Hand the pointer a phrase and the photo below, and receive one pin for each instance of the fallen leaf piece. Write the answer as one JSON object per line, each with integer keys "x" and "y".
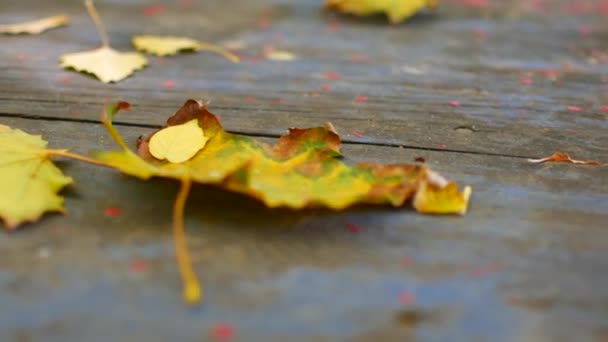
{"x": 298, "y": 171}
{"x": 178, "y": 143}
{"x": 106, "y": 63}
{"x": 395, "y": 10}
{"x": 171, "y": 45}
{"x": 35, "y": 26}
{"x": 280, "y": 56}
{"x": 561, "y": 157}
{"x": 28, "y": 179}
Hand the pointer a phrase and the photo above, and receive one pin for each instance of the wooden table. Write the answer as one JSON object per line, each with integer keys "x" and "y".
{"x": 528, "y": 263}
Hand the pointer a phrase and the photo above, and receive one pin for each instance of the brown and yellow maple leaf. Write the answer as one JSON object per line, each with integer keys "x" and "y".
{"x": 301, "y": 170}
{"x": 35, "y": 26}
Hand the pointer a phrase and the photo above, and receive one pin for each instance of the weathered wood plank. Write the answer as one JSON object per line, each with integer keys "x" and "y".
{"x": 410, "y": 74}
{"x": 533, "y": 245}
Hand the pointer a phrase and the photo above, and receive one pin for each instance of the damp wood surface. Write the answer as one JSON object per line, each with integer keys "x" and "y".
{"x": 474, "y": 90}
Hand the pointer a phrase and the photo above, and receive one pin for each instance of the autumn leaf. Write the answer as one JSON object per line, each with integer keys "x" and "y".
{"x": 171, "y": 45}
{"x": 28, "y": 179}
{"x": 178, "y": 143}
{"x": 561, "y": 157}
{"x": 35, "y": 26}
{"x": 107, "y": 64}
{"x": 301, "y": 170}
{"x": 396, "y": 11}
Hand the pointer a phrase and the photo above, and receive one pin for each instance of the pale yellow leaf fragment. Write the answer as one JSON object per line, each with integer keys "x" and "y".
{"x": 35, "y": 26}
{"x": 164, "y": 45}
{"x": 28, "y": 179}
{"x": 178, "y": 143}
{"x": 436, "y": 195}
{"x": 106, "y": 63}
{"x": 280, "y": 56}
{"x": 171, "y": 45}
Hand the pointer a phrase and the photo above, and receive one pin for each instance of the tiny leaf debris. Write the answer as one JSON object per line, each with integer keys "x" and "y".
{"x": 28, "y": 178}
{"x": 301, "y": 170}
{"x": 396, "y": 11}
{"x": 107, "y": 64}
{"x": 35, "y": 26}
{"x": 561, "y": 157}
{"x": 171, "y": 45}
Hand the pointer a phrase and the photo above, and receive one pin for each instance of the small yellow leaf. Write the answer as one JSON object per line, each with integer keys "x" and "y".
{"x": 178, "y": 143}
{"x": 35, "y": 26}
{"x": 396, "y": 10}
{"x": 28, "y": 179}
{"x": 164, "y": 45}
{"x": 171, "y": 45}
{"x": 106, "y": 63}
{"x": 434, "y": 199}
{"x": 281, "y": 56}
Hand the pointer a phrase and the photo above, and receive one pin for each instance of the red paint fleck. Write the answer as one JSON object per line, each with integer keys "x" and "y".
{"x": 75, "y": 111}
{"x": 406, "y": 297}
{"x": 330, "y": 75}
{"x": 550, "y": 74}
{"x": 268, "y": 48}
{"x": 526, "y": 81}
{"x": 575, "y": 109}
{"x": 357, "y": 58}
{"x": 475, "y": 3}
{"x": 137, "y": 266}
{"x": 314, "y": 92}
{"x": 251, "y": 99}
{"x": 276, "y": 102}
{"x": 66, "y": 79}
{"x": 159, "y": 60}
{"x": 420, "y": 159}
{"x": 168, "y": 84}
{"x": 480, "y": 33}
{"x": 279, "y": 38}
{"x": 454, "y": 103}
{"x": 604, "y": 109}
{"x": 441, "y": 146}
{"x": 255, "y": 60}
{"x": 584, "y": 30}
{"x": 222, "y": 332}
{"x": 332, "y": 26}
{"x": 263, "y": 23}
{"x": 406, "y": 261}
{"x": 483, "y": 270}
{"x": 112, "y": 212}
{"x": 571, "y": 132}
{"x": 325, "y": 87}
{"x": 352, "y": 228}
{"x": 356, "y": 134}
{"x": 361, "y": 98}
{"x": 21, "y": 56}
{"x": 153, "y": 10}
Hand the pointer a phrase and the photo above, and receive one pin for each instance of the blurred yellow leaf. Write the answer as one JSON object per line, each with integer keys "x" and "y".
{"x": 28, "y": 179}
{"x": 171, "y": 45}
{"x": 35, "y": 26}
{"x": 396, "y": 10}
{"x": 106, "y": 63}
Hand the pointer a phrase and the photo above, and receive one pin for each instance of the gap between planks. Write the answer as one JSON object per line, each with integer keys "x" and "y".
{"x": 266, "y": 135}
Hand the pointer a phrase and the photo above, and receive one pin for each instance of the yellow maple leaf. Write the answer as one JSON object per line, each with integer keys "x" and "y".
{"x": 178, "y": 143}
{"x": 396, "y": 10}
{"x": 171, "y": 45}
{"x": 35, "y": 26}
{"x": 107, "y": 64}
{"x": 28, "y": 179}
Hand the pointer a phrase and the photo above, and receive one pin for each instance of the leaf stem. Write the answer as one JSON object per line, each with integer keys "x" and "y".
{"x": 66, "y": 154}
{"x": 191, "y": 288}
{"x": 219, "y": 50}
{"x": 101, "y": 29}
{"x": 107, "y": 123}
